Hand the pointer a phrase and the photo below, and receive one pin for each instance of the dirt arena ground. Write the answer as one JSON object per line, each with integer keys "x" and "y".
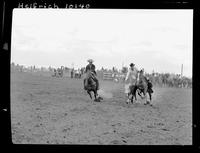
{"x": 46, "y": 110}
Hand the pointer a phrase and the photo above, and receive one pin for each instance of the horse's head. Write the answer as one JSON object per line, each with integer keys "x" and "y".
{"x": 91, "y": 74}
{"x": 90, "y": 78}
{"x": 91, "y": 81}
{"x": 141, "y": 72}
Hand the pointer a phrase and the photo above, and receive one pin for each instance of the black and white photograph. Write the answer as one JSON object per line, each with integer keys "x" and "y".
{"x": 101, "y": 76}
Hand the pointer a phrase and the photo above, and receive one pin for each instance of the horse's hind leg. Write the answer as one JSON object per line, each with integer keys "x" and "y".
{"x": 140, "y": 91}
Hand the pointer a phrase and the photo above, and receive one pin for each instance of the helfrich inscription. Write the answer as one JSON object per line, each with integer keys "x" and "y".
{"x": 54, "y": 5}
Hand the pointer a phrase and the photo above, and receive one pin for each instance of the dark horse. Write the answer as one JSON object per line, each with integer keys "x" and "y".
{"x": 91, "y": 86}
{"x": 143, "y": 87}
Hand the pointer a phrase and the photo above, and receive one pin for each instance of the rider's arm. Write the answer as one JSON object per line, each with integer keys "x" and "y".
{"x": 86, "y": 69}
{"x": 127, "y": 75}
{"x": 138, "y": 74}
{"x": 94, "y": 69}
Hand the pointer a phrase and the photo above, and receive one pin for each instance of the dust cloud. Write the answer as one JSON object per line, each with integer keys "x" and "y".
{"x": 105, "y": 94}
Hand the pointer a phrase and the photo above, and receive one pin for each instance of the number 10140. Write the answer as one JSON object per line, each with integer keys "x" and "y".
{"x": 77, "y": 5}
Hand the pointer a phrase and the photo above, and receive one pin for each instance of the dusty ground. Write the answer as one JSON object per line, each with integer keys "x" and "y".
{"x": 46, "y": 110}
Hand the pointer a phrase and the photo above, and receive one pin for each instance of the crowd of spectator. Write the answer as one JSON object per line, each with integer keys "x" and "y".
{"x": 158, "y": 79}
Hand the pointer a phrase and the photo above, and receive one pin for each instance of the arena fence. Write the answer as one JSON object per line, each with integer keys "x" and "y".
{"x": 107, "y": 76}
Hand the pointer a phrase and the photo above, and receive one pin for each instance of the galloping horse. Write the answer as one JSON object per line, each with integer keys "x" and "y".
{"x": 91, "y": 86}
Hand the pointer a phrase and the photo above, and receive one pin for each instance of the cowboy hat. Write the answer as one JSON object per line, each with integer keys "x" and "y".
{"x": 132, "y": 64}
{"x": 142, "y": 70}
{"x": 90, "y": 60}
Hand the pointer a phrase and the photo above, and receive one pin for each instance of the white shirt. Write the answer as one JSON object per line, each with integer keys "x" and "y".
{"x": 132, "y": 75}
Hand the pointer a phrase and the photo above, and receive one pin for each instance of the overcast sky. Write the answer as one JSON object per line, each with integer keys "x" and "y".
{"x": 159, "y": 40}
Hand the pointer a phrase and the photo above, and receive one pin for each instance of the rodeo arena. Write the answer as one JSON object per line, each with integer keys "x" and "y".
{"x": 58, "y": 110}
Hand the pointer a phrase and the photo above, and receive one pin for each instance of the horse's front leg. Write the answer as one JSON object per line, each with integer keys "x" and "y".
{"x": 95, "y": 95}
{"x": 139, "y": 91}
{"x": 134, "y": 92}
{"x": 89, "y": 94}
{"x": 128, "y": 98}
{"x": 150, "y": 97}
{"x": 145, "y": 96}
